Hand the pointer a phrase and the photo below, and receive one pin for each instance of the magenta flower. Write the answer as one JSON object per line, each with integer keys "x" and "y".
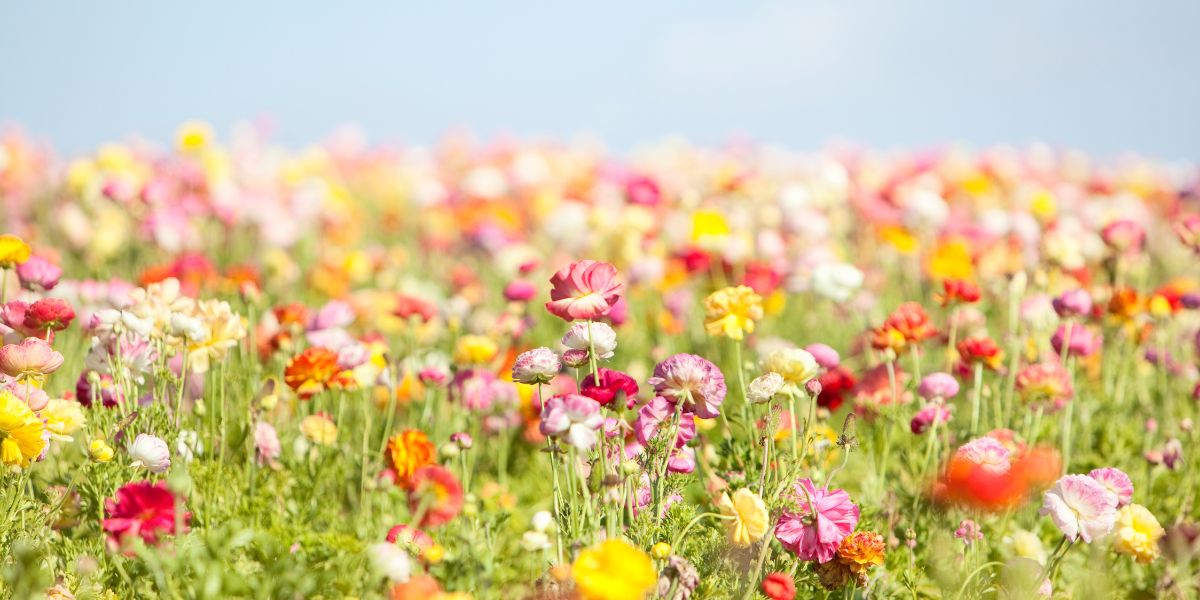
{"x": 1073, "y": 303}
{"x": 692, "y": 380}
{"x": 826, "y": 356}
{"x": 519, "y": 290}
{"x": 1080, "y": 507}
{"x": 611, "y": 383}
{"x": 575, "y": 417}
{"x": 823, "y": 520}
{"x": 930, "y": 414}
{"x": 1116, "y": 481}
{"x": 586, "y": 289}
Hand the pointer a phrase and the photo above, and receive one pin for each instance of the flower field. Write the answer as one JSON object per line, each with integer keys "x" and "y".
{"x": 521, "y": 369}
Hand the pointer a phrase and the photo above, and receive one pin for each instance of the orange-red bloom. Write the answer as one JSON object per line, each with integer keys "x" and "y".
{"x": 312, "y": 371}
{"x": 981, "y": 349}
{"x": 407, "y": 452}
{"x": 958, "y": 291}
{"x": 909, "y": 324}
{"x": 435, "y": 496}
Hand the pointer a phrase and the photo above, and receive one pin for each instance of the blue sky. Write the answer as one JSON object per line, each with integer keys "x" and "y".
{"x": 1102, "y": 76}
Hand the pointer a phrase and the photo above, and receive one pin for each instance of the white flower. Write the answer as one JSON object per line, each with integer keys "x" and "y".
{"x": 188, "y": 445}
{"x": 534, "y": 541}
{"x": 764, "y": 387}
{"x": 543, "y": 520}
{"x": 836, "y": 281}
{"x": 389, "y": 560}
{"x": 150, "y": 452}
{"x": 1080, "y": 507}
{"x": 188, "y": 327}
{"x": 603, "y": 336}
{"x": 539, "y": 365}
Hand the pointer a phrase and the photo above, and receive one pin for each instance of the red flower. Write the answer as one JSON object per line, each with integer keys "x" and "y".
{"x": 835, "y": 383}
{"x": 779, "y": 586}
{"x": 48, "y": 314}
{"x": 611, "y": 382}
{"x": 958, "y": 290}
{"x": 907, "y": 325}
{"x": 435, "y": 496}
{"x": 981, "y": 349}
{"x": 762, "y": 278}
{"x": 142, "y": 509}
{"x": 408, "y": 307}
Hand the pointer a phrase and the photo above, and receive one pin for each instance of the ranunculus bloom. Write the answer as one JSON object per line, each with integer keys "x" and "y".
{"x": 825, "y": 355}
{"x": 1123, "y": 235}
{"x": 142, "y": 509}
{"x": 312, "y": 371}
{"x": 266, "y": 443}
{"x": 1044, "y": 384}
{"x": 986, "y": 452}
{"x": 1073, "y": 303}
{"x": 1137, "y": 533}
{"x": 434, "y": 489}
{"x": 692, "y": 380}
{"x": 836, "y": 281}
{"x": 659, "y": 413}
{"x": 150, "y": 452}
{"x": 13, "y": 251}
{"x": 747, "y": 516}
{"x": 958, "y": 291}
{"x": 611, "y": 383}
{"x": 519, "y": 291}
{"x": 38, "y": 274}
{"x": 408, "y": 451}
{"x": 860, "y": 551}
{"x": 1080, "y": 507}
{"x": 48, "y": 314}
{"x": 1081, "y": 341}
{"x": 764, "y": 387}
{"x": 613, "y": 570}
{"x": 823, "y": 520}
{"x": 981, "y": 350}
{"x": 408, "y": 307}
{"x": 732, "y": 312}
{"x": 539, "y": 365}
{"x": 938, "y": 385}
{"x": 779, "y": 586}
{"x": 584, "y": 290}
{"x": 1116, "y": 481}
{"x": 585, "y": 337}
{"x": 795, "y": 364}
{"x": 33, "y": 358}
{"x": 23, "y": 435}
{"x": 575, "y": 417}
{"x": 929, "y": 415}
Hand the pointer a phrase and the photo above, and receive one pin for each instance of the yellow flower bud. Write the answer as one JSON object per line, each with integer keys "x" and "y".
{"x": 100, "y": 451}
{"x": 660, "y": 550}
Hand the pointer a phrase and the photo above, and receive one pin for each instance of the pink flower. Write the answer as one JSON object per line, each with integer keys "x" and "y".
{"x": 1073, "y": 303}
{"x": 692, "y": 380}
{"x": 99, "y": 385}
{"x": 938, "y": 385}
{"x": 36, "y": 398}
{"x": 657, "y": 412}
{"x": 266, "y": 443}
{"x": 826, "y": 356}
{"x": 539, "y": 365}
{"x": 611, "y": 383}
{"x": 584, "y": 290}
{"x": 32, "y": 358}
{"x": 1080, "y": 342}
{"x": 968, "y": 531}
{"x": 988, "y": 453}
{"x": 335, "y": 314}
{"x": 519, "y": 290}
{"x": 1080, "y": 507}
{"x": 1123, "y": 235}
{"x": 480, "y": 390}
{"x": 38, "y": 274}
{"x": 1116, "y": 481}
{"x": 824, "y": 519}
{"x": 577, "y": 417}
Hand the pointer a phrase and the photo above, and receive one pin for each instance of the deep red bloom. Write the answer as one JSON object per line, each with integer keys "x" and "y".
{"x": 779, "y": 586}
{"x": 53, "y": 314}
{"x": 611, "y": 382}
{"x": 142, "y": 509}
{"x": 835, "y": 384}
{"x": 957, "y": 290}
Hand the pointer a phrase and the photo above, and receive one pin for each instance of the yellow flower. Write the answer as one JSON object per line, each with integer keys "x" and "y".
{"x": 749, "y": 517}
{"x": 434, "y": 554}
{"x": 613, "y": 570}
{"x": 475, "y": 349}
{"x": 320, "y": 429}
{"x": 193, "y": 136}
{"x": 661, "y": 550}
{"x": 898, "y": 238}
{"x": 13, "y": 251}
{"x": 732, "y": 312}
{"x": 1137, "y": 533}
{"x": 951, "y": 260}
{"x": 63, "y": 418}
{"x": 709, "y": 227}
{"x": 22, "y": 434}
{"x": 100, "y": 451}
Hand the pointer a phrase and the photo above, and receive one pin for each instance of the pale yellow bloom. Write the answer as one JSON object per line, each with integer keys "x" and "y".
{"x": 63, "y": 418}
{"x": 475, "y": 349}
{"x": 747, "y": 516}
{"x": 100, "y": 451}
{"x": 1137, "y": 533}
{"x": 320, "y": 429}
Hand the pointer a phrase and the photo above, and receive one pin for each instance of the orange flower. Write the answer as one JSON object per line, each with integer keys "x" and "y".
{"x": 861, "y": 550}
{"x": 312, "y": 371}
{"x": 908, "y": 324}
{"x": 408, "y": 451}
